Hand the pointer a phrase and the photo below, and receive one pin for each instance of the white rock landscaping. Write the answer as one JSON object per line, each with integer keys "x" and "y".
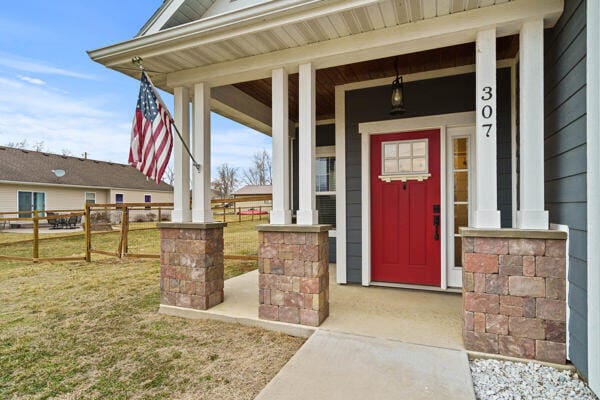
{"x": 505, "y": 380}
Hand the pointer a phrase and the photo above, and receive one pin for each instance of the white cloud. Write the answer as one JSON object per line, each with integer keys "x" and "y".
{"x": 33, "y": 81}
{"x": 237, "y": 146}
{"x": 38, "y": 113}
{"x": 85, "y": 124}
{"x": 40, "y": 67}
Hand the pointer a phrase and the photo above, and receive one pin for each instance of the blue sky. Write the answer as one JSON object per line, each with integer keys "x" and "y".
{"x": 51, "y": 91}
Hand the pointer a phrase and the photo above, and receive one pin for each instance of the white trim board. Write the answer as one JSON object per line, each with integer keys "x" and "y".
{"x": 593, "y": 194}
{"x": 565, "y": 228}
{"x": 441, "y": 122}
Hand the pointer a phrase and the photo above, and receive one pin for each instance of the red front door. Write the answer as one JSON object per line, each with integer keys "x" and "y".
{"x": 405, "y": 242}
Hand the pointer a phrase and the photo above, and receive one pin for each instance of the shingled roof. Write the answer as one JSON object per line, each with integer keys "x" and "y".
{"x": 257, "y": 190}
{"x": 18, "y": 165}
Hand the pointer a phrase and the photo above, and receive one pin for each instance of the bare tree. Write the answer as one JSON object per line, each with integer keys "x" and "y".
{"x": 18, "y": 145}
{"x": 260, "y": 171}
{"x": 226, "y": 180}
{"x": 169, "y": 176}
{"x": 39, "y": 146}
{"x": 66, "y": 152}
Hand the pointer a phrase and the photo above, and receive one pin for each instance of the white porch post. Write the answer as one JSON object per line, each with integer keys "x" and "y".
{"x": 307, "y": 213}
{"x": 181, "y": 183}
{"x": 531, "y": 118}
{"x": 486, "y": 214}
{"x": 281, "y": 213}
{"x": 201, "y": 211}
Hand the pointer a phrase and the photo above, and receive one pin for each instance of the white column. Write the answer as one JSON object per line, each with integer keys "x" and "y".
{"x": 281, "y": 213}
{"x": 486, "y": 214}
{"x": 531, "y": 214}
{"x": 201, "y": 211}
{"x": 307, "y": 213}
{"x": 181, "y": 183}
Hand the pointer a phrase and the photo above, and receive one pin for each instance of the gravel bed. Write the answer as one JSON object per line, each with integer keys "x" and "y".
{"x": 505, "y": 380}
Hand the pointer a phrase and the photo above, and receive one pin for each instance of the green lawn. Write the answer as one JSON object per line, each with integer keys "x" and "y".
{"x": 78, "y": 330}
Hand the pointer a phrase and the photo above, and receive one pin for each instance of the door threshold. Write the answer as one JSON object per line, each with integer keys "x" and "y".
{"x": 417, "y": 287}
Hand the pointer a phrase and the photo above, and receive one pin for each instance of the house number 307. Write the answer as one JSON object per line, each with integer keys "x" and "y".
{"x": 487, "y": 111}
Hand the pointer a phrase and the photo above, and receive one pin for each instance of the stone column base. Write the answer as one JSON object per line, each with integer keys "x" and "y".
{"x": 191, "y": 264}
{"x": 514, "y": 286}
{"x": 293, "y": 263}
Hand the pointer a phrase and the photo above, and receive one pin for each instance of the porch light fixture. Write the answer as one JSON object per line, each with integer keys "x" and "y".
{"x": 397, "y": 93}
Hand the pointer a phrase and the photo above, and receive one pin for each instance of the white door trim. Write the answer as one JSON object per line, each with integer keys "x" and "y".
{"x": 340, "y": 143}
{"x": 593, "y": 195}
{"x": 455, "y": 273}
{"x": 440, "y": 122}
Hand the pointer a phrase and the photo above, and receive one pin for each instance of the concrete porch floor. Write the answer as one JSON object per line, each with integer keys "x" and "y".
{"x": 411, "y": 316}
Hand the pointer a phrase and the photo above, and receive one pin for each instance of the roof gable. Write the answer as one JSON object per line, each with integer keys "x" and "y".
{"x": 18, "y": 165}
{"x": 179, "y": 12}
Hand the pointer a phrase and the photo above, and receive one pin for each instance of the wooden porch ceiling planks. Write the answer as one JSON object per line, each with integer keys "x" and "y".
{"x": 328, "y": 78}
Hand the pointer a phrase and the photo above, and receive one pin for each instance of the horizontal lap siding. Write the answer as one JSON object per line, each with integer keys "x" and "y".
{"x": 422, "y": 98}
{"x": 57, "y": 197}
{"x": 565, "y": 157}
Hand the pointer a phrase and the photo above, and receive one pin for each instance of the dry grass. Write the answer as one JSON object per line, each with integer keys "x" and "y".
{"x": 82, "y": 330}
{"x": 77, "y": 330}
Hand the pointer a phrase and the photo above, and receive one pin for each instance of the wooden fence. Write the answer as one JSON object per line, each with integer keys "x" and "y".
{"x": 134, "y": 226}
{"x": 35, "y": 218}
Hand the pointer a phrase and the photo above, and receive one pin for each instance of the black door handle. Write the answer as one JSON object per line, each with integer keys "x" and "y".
{"x": 436, "y": 223}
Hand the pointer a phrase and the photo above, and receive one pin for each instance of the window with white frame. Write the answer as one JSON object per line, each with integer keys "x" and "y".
{"x": 404, "y": 157}
{"x": 325, "y": 184}
{"x": 90, "y": 197}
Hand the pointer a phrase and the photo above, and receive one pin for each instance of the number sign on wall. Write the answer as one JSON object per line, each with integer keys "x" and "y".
{"x": 487, "y": 111}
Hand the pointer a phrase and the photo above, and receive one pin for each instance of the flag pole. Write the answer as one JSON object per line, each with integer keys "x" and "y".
{"x": 138, "y": 61}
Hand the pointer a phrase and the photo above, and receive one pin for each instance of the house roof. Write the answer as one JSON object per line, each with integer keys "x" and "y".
{"x": 254, "y": 190}
{"x": 179, "y": 12}
{"x": 18, "y": 165}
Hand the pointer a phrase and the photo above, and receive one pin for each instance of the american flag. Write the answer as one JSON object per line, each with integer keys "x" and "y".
{"x": 151, "y": 137}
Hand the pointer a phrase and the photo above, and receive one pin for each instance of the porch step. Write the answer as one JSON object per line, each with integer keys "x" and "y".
{"x": 334, "y": 365}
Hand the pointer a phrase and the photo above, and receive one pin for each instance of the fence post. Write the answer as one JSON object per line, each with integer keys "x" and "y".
{"x": 259, "y": 213}
{"x": 123, "y": 230}
{"x": 125, "y": 222}
{"x": 88, "y": 233}
{"x": 36, "y": 236}
{"x": 159, "y": 214}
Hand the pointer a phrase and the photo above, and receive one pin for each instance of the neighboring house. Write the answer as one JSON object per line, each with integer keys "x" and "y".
{"x": 249, "y": 191}
{"x": 500, "y": 134}
{"x": 31, "y": 180}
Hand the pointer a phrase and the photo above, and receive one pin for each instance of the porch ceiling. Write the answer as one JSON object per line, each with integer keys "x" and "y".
{"x": 273, "y": 26}
{"x": 328, "y": 78}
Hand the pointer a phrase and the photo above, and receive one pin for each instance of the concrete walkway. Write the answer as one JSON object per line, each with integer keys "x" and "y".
{"x": 410, "y": 316}
{"x": 334, "y": 365}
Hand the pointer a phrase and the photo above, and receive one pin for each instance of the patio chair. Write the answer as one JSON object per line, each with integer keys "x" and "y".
{"x": 73, "y": 221}
{"x": 53, "y": 222}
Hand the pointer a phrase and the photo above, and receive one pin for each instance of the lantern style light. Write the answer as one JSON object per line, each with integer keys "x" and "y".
{"x": 397, "y": 94}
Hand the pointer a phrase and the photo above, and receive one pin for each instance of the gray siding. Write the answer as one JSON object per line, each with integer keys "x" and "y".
{"x": 565, "y": 157}
{"x": 422, "y": 98}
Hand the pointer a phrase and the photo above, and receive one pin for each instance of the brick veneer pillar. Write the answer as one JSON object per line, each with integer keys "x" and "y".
{"x": 293, "y": 265}
{"x": 514, "y": 286}
{"x": 191, "y": 265}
